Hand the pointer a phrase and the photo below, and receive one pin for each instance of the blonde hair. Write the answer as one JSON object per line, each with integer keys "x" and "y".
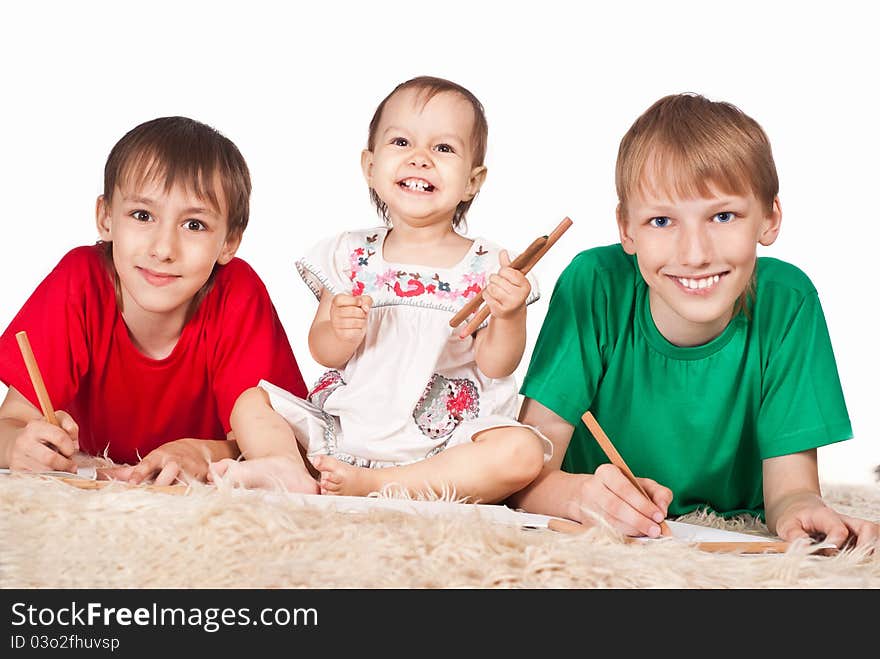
{"x": 686, "y": 145}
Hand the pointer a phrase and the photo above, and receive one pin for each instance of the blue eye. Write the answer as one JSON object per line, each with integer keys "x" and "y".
{"x": 723, "y": 217}
{"x": 400, "y": 141}
{"x": 141, "y": 216}
{"x": 444, "y": 148}
{"x": 659, "y": 222}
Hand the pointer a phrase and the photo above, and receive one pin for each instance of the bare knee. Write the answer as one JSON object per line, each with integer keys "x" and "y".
{"x": 249, "y": 402}
{"x": 521, "y": 454}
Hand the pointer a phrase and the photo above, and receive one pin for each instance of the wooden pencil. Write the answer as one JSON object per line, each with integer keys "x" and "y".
{"x": 518, "y": 263}
{"x": 33, "y": 370}
{"x": 542, "y": 249}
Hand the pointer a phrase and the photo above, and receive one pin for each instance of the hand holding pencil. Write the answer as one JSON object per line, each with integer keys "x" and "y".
{"x": 46, "y": 443}
{"x": 636, "y": 504}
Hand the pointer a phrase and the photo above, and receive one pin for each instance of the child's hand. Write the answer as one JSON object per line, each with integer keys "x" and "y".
{"x": 809, "y": 517}
{"x": 348, "y": 316}
{"x": 609, "y": 494}
{"x": 41, "y": 446}
{"x": 168, "y": 463}
{"x": 506, "y": 292}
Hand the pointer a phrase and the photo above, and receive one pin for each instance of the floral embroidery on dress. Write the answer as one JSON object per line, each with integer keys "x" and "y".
{"x": 326, "y": 385}
{"x": 445, "y": 404}
{"x": 405, "y": 284}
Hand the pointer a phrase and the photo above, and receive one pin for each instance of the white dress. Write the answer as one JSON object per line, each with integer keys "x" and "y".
{"x": 412, "y": 388}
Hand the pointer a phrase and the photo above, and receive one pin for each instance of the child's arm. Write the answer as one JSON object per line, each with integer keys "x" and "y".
{"x": 499, "y": 347}
{"x": 607, "y": 493}
{"x": 339, "y": 328}
{"x": 795, "y": 508}
{"x": 30, "y": 443}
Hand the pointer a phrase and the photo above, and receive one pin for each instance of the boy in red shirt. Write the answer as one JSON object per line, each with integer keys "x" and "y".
{"x": 147, "y": 338}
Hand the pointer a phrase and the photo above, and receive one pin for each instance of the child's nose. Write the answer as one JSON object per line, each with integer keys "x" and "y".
{"x": 694, "y": 246}
{"x": 163, "y": 244}
{"x": 419, "y": 159}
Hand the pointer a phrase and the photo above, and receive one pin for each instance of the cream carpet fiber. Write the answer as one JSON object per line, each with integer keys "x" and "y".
{"x": 53, "y": 535}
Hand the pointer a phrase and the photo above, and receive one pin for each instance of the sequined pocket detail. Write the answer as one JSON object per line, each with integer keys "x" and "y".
{"x": 326, "y": 385}
{"x": 445, "y": 404}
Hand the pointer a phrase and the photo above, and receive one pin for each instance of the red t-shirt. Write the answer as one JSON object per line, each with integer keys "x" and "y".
{"x": 126, "y": 401}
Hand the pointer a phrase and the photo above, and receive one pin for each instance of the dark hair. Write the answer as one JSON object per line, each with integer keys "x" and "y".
{"x": 185, "y": 152}
{"x": 430, "y": 87}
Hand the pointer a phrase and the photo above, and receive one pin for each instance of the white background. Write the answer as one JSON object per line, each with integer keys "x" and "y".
{"x": 295, "y": 88}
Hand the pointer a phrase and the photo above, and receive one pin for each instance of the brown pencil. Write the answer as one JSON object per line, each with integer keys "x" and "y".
{"x": 36, "y": 378}
{"x": 617, "y": 460}
{"x": 518, "y": 263}
{"x": 542, "y": 249}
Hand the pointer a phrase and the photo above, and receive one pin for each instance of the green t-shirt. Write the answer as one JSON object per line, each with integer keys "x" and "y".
{"x": 698, "y": 420}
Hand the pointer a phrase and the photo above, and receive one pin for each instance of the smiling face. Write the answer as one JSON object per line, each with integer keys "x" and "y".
{"x": 697, "y": 256}
{"x": 421, "y": 166}
{"x": 165, "y": 246}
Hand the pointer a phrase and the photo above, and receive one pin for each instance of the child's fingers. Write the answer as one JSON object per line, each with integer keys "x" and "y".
{"x": 145, "y": 469}
{"x": 342, "y": 300}
{"x": 44, "y": 458}
{"x": 365, "y": 302}
{"x": 69, "y": 426}
{"x": 500, "y": 285}
{"x": 660, "y": 494}
{"x": 504, "y": 258}
{"x": 56, "y": 438}
{"x": 168, "y": 474}
{"x": 632, "y": 506}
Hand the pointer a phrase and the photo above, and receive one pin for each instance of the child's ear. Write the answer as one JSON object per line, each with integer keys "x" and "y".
{"x": 475, "y": 182}
{"x": 626, "y": 240}
{"x": 771, "y": 225}
{"x": 230, "y": 247}
{"x": 102, "y": 218}
{"x": 367, "y": 166}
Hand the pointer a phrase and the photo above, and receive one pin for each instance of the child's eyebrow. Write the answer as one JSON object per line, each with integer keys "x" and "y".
{"x": 140, "y": 200}
{"x": 192, "y": 210}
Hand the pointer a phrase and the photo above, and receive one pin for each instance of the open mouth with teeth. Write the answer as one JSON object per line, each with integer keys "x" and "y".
{"x": 698, "y": 283}
{"x": 416, "y": 185}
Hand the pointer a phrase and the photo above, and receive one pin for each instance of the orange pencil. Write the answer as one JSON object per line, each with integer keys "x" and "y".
{"x": 36, "y": 378}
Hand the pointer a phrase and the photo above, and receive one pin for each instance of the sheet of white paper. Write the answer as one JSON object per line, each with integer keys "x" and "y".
{"x": 87, "y": 473}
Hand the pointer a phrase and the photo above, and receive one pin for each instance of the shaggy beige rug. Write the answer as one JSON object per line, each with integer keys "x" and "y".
{"x": 53, "y": 535}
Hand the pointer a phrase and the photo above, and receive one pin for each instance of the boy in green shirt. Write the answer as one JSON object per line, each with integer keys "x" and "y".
{"x": 710, "y": 369}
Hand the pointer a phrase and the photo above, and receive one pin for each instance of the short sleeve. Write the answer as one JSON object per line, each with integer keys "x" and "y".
{"x": 802, "y": 403}
{"x": 327, "y": 265}
{"x": 54, "y": 317}
{"x": 566, "y": 362}
{"x": 250, "y": 343}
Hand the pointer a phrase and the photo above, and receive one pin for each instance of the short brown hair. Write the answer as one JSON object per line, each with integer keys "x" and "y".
{"x": 695, "y": 143}
{"x": 429, "y": 87}
{"x": 187, "y": 152}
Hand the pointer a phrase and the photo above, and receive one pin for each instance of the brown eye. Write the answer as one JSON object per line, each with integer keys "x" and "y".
{"x": 141, "y": 216}
{"x": 195, "y": 225}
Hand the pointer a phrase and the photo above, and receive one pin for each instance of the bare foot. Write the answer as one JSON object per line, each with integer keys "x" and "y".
{"x": 338, "y": 477}
{"x": 270, "y": 473}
